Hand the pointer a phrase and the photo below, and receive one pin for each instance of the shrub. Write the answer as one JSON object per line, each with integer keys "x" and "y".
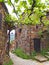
{"x": 33, "y": 54}
{"x": 43, "y": 52}
{"x": 9, "y": 63}
{"x": 19, "y": 52}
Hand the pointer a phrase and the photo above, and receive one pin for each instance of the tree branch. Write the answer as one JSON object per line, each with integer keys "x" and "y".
{"x": 41, "y": 20}
{"x": 32, "y": 8}
{"x": 13, "y": 7}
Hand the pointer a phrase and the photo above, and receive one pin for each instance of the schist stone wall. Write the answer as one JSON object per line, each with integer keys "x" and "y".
{"x": 3, "y": 33}
{"x": 25, "y": 36}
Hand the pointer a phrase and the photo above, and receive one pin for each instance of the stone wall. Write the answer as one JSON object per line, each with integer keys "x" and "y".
{"x": 3, "y": 33}
{"x": 24, "y": 38}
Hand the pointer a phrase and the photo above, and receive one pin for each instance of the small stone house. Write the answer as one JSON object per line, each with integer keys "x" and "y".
{"x": 3, "y": 30}
{"x": 27, "y": 38}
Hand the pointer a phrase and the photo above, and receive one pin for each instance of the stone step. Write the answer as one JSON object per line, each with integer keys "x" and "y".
{"x": 40, "y": 58}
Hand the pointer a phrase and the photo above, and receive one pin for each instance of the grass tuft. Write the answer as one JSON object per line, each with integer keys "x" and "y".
{"x": 9, "y": 63}
{"x": 19, "y": 52}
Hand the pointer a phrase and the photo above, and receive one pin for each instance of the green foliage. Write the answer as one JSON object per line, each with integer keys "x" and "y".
{"x": 19, "y": 52}
{"x": 47, "y": 1}
{"x": 9, "y": 63}
{"x": 37, "y": 11}
{"x": 16, "y": 1}
{"x": 33, "y": 54}
{"x": 44, "y": 52}
{"x": 40, "y": 33}
{"x": 10, "y": 20}
{"x": 23, "y": 3}
{"x": 34, "y": 18}
{"x": 1, "y": 0}
{"x": 46, "y": 22}
{"x": 9, "y": 2}
{"x": 30, "y": 2}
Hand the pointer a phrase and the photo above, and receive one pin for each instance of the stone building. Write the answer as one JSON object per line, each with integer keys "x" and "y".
{"x": 3, "y": 31}
{"x": 28, "y": 38}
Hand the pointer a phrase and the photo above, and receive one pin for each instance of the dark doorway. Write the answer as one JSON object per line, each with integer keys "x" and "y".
{"x": 37, "y": 44}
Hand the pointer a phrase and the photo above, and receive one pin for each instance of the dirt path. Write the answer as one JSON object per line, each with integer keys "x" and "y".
{"x": 19, "y": 61}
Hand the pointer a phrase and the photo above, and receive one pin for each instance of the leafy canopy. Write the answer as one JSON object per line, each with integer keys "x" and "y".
{"x": 33, "y": 9}
{"x": 10, "y": 20}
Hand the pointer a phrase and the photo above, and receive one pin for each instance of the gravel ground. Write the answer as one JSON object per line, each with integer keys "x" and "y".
{"x": 19, "y": 61}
